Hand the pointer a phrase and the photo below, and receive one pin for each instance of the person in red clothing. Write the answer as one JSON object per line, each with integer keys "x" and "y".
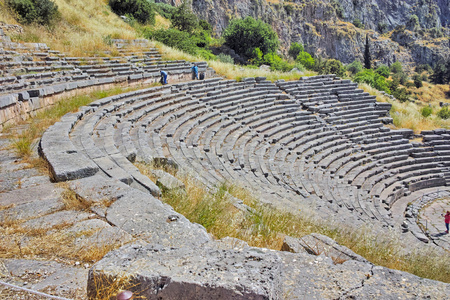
{"x": 447, "y": 220}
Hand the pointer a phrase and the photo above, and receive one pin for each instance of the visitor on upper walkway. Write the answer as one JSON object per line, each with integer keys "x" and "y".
{"x": 195, "y": 71}
{"x": 447, "y": 220}
{"x": 163, "y": 77}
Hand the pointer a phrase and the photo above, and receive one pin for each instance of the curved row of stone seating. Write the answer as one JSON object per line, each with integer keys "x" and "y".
{"x": 252, "y": 133}
{"x": 385, "y": 170}
{"x": 28, "y": 80}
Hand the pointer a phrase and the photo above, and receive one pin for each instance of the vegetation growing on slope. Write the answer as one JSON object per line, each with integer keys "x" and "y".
{"x": 266, "y": 227}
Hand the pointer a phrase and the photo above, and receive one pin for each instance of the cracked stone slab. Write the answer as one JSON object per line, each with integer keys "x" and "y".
{"x": 320, "y": 244}
{"x": 98, "y": 233}
{"x": 32, "y": 210}
{"x": 146, "y": 217}
{"x": 158, "y": 272}
{"x": 36, "y": 193}
{"x": 65, "y": 217}
{"x": 61, "y": 279}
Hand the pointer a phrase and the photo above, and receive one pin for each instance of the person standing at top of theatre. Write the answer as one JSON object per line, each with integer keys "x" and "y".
{"x": 195, "y": 72}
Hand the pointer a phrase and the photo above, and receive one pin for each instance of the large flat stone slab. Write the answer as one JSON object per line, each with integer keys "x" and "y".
{"x": 156, "y": 272}
{"x": 146, "y": 217}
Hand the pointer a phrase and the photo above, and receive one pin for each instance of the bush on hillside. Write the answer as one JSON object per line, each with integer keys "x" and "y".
{"x": 306, "y": 60}
{"x": 42, "y": 12}
{"x": 383, "y": 70}
{"x": 183, "y": 19}
{"x": 164, "y": 9}
{"x": 140, "y": 10}
{"x": 174, "y": 38}
{"x": 245, "y": 35}
{"x": 333, "y": 66}
{"x": 401, "y": 94}
{"x": 426, "y": 111}
{"x": 396, "y": 67}
{"x": 373, "y": 79}
{"x": 417, "y": 80}
{"x": 444, "y": 113}
{"x": 295, "y": 50}
{"x": 355, "y": 67}
{"x": 225, "y": 58}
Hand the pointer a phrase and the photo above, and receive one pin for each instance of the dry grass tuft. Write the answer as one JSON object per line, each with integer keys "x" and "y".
{"x": 108, "y": 287}
{"x": 71, "y": 199}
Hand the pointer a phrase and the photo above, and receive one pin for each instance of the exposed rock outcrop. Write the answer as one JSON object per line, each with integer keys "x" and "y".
{"x": 325, "y": 27}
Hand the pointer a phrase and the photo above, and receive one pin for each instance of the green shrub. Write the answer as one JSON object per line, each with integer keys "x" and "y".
{"x": 295, "y": 49}
{"x": 225, "y": 58}
{"x": 357, "y": 23}
{"x": 355, "y": 67}
{"x": 277, "y": 63}
{"x": 42, "y": 12}
{"x": 164, "y": 9}
{"x": 174, "y": 38}
{"x": 383, "y": 70}
{"x": 183, "y": 19}
{"x": 374, "y": 79}
{"x": 306, "y": 60}
{"x": 382, "y": 27}
{"x": 426, "y": 111}
{"x": 401, "y": 94}
{"x": 333, "y": 66}
{"x": 444, "y": 113}
{"x": 140, "y": 10}
{"x": 417, "y": 80}
{"x": 244, "y": 35}
{"x": 396, "y": 67}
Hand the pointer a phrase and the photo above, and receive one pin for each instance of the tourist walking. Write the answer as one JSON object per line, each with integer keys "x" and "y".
{"x": 447, "y": 220}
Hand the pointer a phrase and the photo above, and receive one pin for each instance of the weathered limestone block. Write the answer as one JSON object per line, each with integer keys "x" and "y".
{"x": 66, "y": 162}
{"x": 318, "y": 244}
{"x": 156, "y": 272}
{"x": 165, "y": 181}
{"x": 144, "y": 216}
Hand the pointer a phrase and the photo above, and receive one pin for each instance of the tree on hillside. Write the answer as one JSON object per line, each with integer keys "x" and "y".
{"x": 441, "y": 72}
{"x": 245, "y": 35}
{"x": 367, "y": 57}
{"x": 295, "y": 50}
{"x": 34, "y": 11}
{"x": 183, "y": 19}
{"x": 141, "y": 10}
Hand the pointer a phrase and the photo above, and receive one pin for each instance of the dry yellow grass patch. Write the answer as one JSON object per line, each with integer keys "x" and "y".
{"x": 408, "y": 114}
{"x": 81, "y": 31}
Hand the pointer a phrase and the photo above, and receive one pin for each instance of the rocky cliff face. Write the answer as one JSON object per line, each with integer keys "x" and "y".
{"x": 325, "y": 27}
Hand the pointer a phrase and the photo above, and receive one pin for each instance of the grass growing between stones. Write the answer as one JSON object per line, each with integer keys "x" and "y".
{"x": 263, "y": 226}
{"x": 408, "y": 114}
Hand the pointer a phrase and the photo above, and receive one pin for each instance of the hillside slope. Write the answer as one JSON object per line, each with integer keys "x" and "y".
{"x": 84, "y": 27}
{"x": 325, "y": 27}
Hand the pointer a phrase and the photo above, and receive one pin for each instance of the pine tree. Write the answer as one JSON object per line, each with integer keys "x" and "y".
{"x": 367, "y": 58}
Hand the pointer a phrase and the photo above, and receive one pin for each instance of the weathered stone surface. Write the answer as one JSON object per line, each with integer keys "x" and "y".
{"x": 252, "y": 273}
{"x": 319, "y": 244}
{"x": 63, "y": 280}
{"x": 36, "y": 193}
{"x": 146, "y": 217}
{"x": 98, "y": 233}
{"x": 66, "y": 217}
{"x": 166, "y": 181}
{"x": 31, "y": 210}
